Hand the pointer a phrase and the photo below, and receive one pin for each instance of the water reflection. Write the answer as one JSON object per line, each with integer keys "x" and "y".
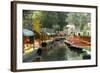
{"x": 57, "y": 50}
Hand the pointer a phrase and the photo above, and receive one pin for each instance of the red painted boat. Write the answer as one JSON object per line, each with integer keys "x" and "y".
{"x": 79, "y": 41}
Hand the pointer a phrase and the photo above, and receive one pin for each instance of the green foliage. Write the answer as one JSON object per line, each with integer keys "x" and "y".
{"x": 80, "y": 20}
{"x": 56, "y": 20}
{"x": 49, "y": 19}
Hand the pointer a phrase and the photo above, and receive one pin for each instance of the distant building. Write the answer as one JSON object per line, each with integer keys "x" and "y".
{"x": 71, "y": 29}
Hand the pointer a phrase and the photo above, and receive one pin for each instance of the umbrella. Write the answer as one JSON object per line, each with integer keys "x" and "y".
{"x": 27, "y": 32}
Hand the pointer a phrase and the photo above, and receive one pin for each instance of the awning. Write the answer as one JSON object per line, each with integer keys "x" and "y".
{"x": 27, "y": 32}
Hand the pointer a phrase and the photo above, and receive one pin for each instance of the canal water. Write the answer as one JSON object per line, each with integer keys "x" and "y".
{"x": 57, "y": 51}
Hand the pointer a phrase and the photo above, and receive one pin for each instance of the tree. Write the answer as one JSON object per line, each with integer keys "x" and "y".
{"x": 55, "y": 20}
{"x": 27, "y": 19}
{"x": 62, "y": 19}
{"x": 49, "y": 19}
{"x": 78, "y": 19}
